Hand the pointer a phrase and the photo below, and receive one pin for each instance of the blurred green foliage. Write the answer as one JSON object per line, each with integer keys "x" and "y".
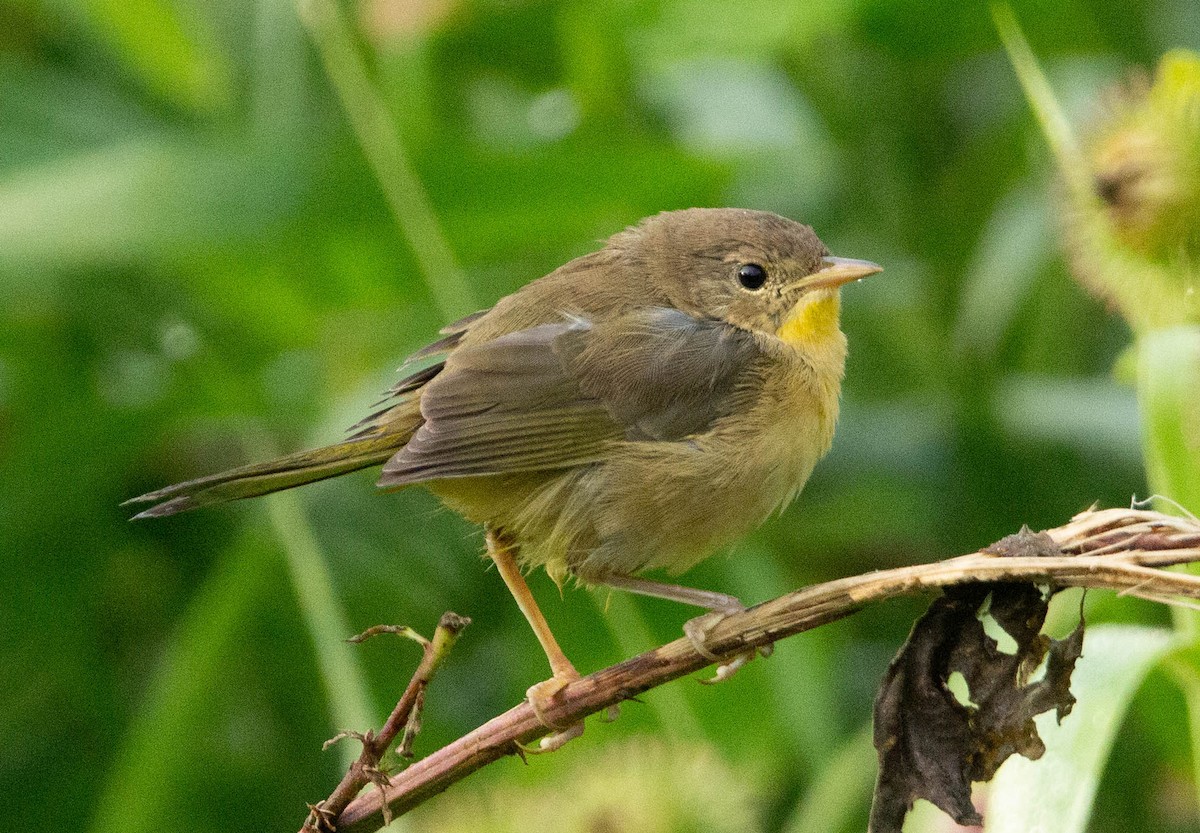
{"x": 194, "y": 250}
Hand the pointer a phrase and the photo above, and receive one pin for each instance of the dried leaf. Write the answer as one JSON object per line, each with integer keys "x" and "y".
{"x": 932, "y": 746}
{"x": 1025, "y": 544}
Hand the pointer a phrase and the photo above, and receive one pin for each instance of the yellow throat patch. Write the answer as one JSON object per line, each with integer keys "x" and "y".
{"x": 812, "y": 323}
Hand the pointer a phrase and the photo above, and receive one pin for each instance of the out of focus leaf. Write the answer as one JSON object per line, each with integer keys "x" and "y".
{"x": 839, "y": 792}
{"x": 345, "y": 688}
{"x": 1056, "y": 793}
{"x": 1095, "y": 416}
{"x": 642, "y": 784}
{"x": 134, "y": 202}
{"x": 1169, "y": 396}
{"x": 933, "y": 746}
{"x": 48, "y": 113}
{"x": 1168, "y": 380}
{"x": 171, "y": 54}
{"x": 708, "y": 104}
{"x": 1015, "y": 244}
{"x": 685, "y": 28}
{"x": 155, "y": 757}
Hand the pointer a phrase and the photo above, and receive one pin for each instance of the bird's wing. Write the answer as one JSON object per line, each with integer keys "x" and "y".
{"x": 660, "y": 373}
{"x": 557, "y": 395}
{"x": 417, "y": 370}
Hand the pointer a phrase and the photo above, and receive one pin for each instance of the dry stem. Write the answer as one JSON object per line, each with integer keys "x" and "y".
{"x": 323, "y": 815}
{"x": 1117, "y": 549}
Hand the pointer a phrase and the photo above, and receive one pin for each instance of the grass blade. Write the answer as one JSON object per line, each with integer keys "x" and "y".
{"x": 1045, "y": 106}
{"x": 380, "y": 140}
{"x": 349, "y": 703}
{"x": 156, "y": 758}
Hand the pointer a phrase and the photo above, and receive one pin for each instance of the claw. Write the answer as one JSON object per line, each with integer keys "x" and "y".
{"x": 697, "y": 631}
{"x": 730, "y": 667}
{"x": 555, "y": 740}
{"x": 540, "y": 696}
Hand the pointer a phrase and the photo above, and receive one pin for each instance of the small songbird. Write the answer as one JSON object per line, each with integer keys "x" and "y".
{"x": 632, "y": 410}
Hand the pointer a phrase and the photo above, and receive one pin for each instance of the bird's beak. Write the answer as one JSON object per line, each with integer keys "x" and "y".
{"x": 836, "y": 271}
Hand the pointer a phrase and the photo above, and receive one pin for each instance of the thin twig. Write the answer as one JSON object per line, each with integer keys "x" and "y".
{"x": 365, "y": 770}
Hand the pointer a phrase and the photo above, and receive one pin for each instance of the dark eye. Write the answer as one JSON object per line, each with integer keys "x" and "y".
{"x": 752, "y": 276}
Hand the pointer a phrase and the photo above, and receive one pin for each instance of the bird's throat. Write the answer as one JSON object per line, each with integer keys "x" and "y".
{"x": 812, "y": 323}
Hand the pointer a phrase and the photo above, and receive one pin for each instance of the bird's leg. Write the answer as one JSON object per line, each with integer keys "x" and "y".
{"x": 502, "y": 552}
{"x": 540, "y": 695}
{"x": 719, "y": 605}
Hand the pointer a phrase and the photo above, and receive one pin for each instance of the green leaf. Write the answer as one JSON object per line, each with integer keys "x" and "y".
{"x": 173, "y": 58}
{"x": 1169, "y": 396}
{"x": 136, "y": 201}
{"x": 841, "y": 790}
{"x": 1056, "y": 792}
{"x": 1096, "y": 416}
{"x": 686, "y": 28}
{"x": 1015, "y": 244}
{"x": 156, "y": 757}
{"x": 1168, "y": 379}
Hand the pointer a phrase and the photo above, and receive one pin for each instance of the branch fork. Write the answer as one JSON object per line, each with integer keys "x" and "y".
{"x": 405, "y": 717}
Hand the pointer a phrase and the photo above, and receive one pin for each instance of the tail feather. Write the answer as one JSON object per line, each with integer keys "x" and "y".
{"x": 272, "y": 476}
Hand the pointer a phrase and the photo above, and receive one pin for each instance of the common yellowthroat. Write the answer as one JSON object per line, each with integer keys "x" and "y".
{"x": 634, "y": 409}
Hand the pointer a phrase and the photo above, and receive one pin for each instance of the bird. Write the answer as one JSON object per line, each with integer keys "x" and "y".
{"x": 633, "y": 410}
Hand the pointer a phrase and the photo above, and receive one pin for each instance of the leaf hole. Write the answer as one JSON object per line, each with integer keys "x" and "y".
{"x": 1039, "y": 673}
{"x": 958, "y": 686}
{"x": 1005, "y": 643}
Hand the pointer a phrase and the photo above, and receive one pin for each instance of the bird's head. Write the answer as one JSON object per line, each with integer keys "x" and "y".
{"x": 754, "y": 269}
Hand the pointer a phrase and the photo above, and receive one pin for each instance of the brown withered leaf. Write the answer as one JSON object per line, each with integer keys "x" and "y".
{"x": 932, "y": 746}
{"x": 1024, "y": 544}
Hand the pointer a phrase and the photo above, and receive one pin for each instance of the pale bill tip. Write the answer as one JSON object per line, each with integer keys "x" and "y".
{"x": 847, "y": 265}
{"x": 836, "y": 271}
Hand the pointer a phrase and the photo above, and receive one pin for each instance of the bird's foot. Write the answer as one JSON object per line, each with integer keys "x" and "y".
{"x": 541, "y": 696}
{"x": 697, "y": 631}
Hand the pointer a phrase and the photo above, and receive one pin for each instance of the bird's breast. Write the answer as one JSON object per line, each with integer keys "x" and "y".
{"x": 795, "y": 418}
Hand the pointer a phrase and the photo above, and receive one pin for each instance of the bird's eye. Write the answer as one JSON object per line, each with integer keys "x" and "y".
{"x": 752, "y": 276}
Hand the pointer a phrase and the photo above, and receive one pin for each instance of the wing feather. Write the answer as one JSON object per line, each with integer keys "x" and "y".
{"x": 559, "y": 395}
{"x": 417, "y": 371}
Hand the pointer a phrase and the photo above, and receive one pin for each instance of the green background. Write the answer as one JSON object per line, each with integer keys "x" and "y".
{"x": 198, "y": 265}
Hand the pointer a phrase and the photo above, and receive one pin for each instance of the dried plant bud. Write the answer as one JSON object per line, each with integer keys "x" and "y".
{"x": 1133, "y": 238}
{"x": 1145, "y": 160}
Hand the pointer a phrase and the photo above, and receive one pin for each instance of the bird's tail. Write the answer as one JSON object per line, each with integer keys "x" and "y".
{"x": 272, "y": 476}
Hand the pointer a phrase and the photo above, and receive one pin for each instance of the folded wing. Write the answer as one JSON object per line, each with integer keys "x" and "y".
{"x": 559, "y": 395}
